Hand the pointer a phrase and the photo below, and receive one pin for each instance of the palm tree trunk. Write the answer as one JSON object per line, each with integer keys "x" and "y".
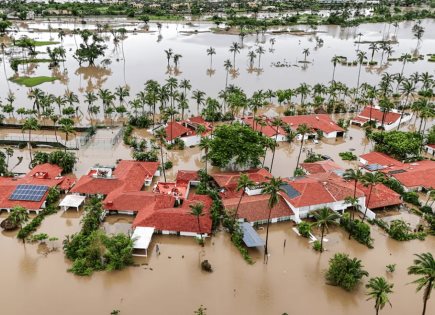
{"x": 161, "y": 155}
{"x": 30, "y": 145}
{"x": 300, "y": 151}
{"x": 238, "y": 204}
{"x": 267, "y": 235}
{"x": 321, "y": 239}
{"x": 367, "y": 205}
{"x": 273, "y": 154}
{"x": 199, "y": 231}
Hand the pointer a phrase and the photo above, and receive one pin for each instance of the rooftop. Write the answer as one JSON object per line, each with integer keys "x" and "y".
{"x": 321, "y": 122}
{"x": 376, "y": 114}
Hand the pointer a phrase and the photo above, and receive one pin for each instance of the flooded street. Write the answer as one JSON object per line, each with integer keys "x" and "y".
{"x": 34, "y": 280}
{"x": 173, "y": 283}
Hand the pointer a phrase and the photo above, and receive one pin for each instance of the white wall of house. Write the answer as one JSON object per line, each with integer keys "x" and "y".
{"x": 429, "y": 150}
{"x": 280, "y": 138}
{"x": 362, "y": 161}
{"x": 191, "y": 140}
{"x": 330, "y": 135}
{"x": 254, "y": 191}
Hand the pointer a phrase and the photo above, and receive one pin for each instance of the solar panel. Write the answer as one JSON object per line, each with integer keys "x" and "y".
{"x": 29, "y": 192}
{"x": 290, "y": 191}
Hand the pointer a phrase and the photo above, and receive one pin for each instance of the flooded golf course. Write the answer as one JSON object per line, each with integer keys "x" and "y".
{"x": 34, "y": 278}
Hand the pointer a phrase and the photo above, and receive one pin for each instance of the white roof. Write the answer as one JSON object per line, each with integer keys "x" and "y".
{"x": 72, "y": 201}
{"x": 142, "y": 237}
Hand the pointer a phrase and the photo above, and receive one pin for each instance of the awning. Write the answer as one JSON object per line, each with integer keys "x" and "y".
{"x": 250, "y": 236}
{"x": 142, "y": 237}
{"x": 74, "y": 201}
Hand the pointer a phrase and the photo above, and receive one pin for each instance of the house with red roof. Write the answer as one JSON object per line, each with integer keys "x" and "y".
{"x": 310, "y": 193}
{"x": 430, "y": 149}
{"x": 254, "y": 204}
{"x": 31, "y": 191}
{"x": 266, "y": 128}
{"x": 318, "y": 123}
{"x": 127, "y": 176}
{"x": 378, "y": 162}
{"x": 186, "y": 130}
{"x": 388, "y": 120}
{"x": 321, "y": 167}
{"x": 180, "y": 188}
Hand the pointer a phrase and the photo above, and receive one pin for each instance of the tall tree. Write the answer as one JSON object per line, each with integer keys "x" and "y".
{"x": 234, "y": 49}
{"x": 302, "y": 130}
{"x": 210, "y": 52}
{"x": 371, "y": 179}
{"x": 272, "y": 188}
{"x": 196, "y": 209}
{"x": 378, "y": 290}
{"x": 424, "y": 266}
{"x": 324, "y": 217}
{"x": 161, "y": 138}
{"x": 30, "y": 124}
{"x": 243, "y": 183}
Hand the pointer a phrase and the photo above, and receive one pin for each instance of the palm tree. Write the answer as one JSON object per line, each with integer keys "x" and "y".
{"x": 169, "y": 54}
{"x": 242, "y": 184}
{"x": 227, "y": 66}
{"x": 235, "y": 49}
{"x": 424, "y": 266}
{"x": 277, "y": 123}
{"x": 161, "y": 138}
{"x": 324, "y": 217}
{"x": 361, "y": 56}
{"x": 405, "y": 58}
{"x": 302, "y": 130}
{"x": 198, "y": 96}
{"x": 210, "y": 52}
{"x": 378, "y": 290}
{"x": 272, "y": 188}
{"x": 18, "y": 216}
{"x": 204, "y": 144}
{"x": 306, "y": 53}
{"x": 371, "y": 179}
{"x": 67, "y": 129}
{"x": 373, "y": 47}
{"x": 334, "y": 61}
{"x": 251, "y": 55}
{"x": 196, "y": 209}
{"x": 90, "y": 98}
{"x": 407, "y": 89}
{"x": 177, "y": 58}
{"x": 260, "y": 51}
{"x": 29, "y": 125}
{"x": 356, "y": 176}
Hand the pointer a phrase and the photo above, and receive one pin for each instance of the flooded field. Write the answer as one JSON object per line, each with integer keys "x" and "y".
{"x": 36, "y": 281}
{"x": 141, "y": 57}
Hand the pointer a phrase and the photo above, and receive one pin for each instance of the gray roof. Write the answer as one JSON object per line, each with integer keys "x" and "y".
{"x": 374, "y": 167}
{"x": 290, "y": 191}
{"x": 250, "y": 236}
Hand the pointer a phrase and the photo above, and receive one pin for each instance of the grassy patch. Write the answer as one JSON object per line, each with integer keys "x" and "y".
{"x": 32, "y": 81}
{"x": 35, "y": 60}
{"x": 39, "y": 43}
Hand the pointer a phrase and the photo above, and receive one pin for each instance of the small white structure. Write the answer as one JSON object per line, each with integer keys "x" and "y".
{"x": 72, "y": 201}
{"x": 430, "y": 149}
{"x": 141, "y": 240}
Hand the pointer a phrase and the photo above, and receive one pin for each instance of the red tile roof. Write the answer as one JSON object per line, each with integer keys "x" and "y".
{"x": 175, "y": 130}
{"x": 46, "y": 170}
{"x": 186, "y": 176}
{"x": 229, "y": 180}
{"x": 197, "y": 120}
{"x": 128, "y": 175}
{"x": 381, "y": 196}
{"x": 320, "y": 167}
{"x": 431, "y": 146}
{"x": 419, "y": 174}
{"x": 381, "y": 159}
{"x": 268, "y": 130}
{"x": 321, "y": 122}
{"x": 255, "y": 208}
{"x": 377, "y": 114}
{"x": 320, "y": 189}
{"x": 68, "y": 182}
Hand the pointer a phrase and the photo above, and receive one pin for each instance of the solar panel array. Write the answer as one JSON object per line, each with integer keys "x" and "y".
{"x": 29, "y": 192}
{"x": 290, "y": 191}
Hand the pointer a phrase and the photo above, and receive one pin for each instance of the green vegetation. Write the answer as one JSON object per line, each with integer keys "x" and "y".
{"x": 304, "y": 228}
{"x": 91, "y": 250}
{"x": 399, "y": 144}
{"x": 345, "y": 272}
{"x": 400, "y": 231}
{"x": 360, "y": 230}
{"x": 36, "y": 222}
{"x": 236, "y": 145}
{"x": 32, "y": 81}
{"x": 65, "y": 160}
{"x": 36, "y": 43}
{"x": 233, "y": 227}
{"x": 347, "y": 156}
{"x": 378, "y": 290}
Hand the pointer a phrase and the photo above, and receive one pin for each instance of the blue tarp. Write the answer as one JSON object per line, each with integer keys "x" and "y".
{"x": 250, "y": 236}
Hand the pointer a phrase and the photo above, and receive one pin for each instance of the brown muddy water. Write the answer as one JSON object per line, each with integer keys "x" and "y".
{"x": 36, "y": 282}
{"x": 172, "y": 283}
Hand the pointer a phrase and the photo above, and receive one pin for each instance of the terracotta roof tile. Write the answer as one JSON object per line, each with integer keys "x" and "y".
{"x": 377, "y": 114}
{"x": 321, "y": 122}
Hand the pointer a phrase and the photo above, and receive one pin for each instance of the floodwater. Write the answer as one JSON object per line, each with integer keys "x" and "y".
{"x": 172, "y": 283}
{"x": 140, "y": 57}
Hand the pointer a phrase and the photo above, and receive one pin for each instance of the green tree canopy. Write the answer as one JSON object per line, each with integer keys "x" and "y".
{"x": 399, "y": 144}
{"x": 236, "y": 146}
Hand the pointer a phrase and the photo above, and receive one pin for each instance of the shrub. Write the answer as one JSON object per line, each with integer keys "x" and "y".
{"x": 400, "y": 231}
{"x": 317, "y": 246}
{"x": 150, "y": 156}
{"x": 411, "y": 197}
{"x": 168, "y": 165}
{"x": 347, "y": 156}
{"x": 391, "y": 268}
{"x": 345, "y": 272}
{"x": 304, "y": 228}
{"x": 360, "y": 230}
